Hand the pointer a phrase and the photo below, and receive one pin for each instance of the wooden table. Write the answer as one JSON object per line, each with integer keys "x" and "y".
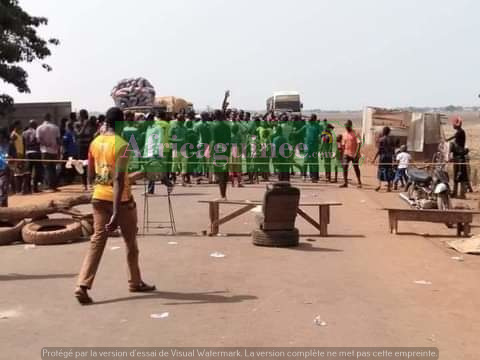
{"x": 215, "y": 221}
{"x": 462, "y": 218}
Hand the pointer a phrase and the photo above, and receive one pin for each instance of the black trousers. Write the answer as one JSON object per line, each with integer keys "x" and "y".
{"x": 50, "y": 170}
{"x": 35, "y": 168}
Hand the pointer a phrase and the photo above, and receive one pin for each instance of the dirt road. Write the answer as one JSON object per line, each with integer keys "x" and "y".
{"x": 360, "y": 281}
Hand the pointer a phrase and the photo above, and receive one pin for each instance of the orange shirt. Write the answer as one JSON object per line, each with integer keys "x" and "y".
{"x": 104, "y": 150}
{"x": 350, "y": 143}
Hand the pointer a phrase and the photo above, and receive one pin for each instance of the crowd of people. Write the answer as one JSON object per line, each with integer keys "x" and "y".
{"x": 257, "y": 146}
{"x": 308, "y": 147}
{"x": 37, "y": 151}
{"x": 394, "y": 160}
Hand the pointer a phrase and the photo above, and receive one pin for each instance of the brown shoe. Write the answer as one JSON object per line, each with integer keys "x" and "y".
{"x": 82, "y": 296}
{"x": 142, "y": 288}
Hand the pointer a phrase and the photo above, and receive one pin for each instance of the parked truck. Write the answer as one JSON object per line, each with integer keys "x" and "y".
{"x": 285, "y": 101}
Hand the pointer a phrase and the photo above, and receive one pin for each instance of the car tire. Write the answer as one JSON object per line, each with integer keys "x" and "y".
{"x": 10, "y": 233}
{"x": 52, "y": 232}
{"x": 286, "y": 238}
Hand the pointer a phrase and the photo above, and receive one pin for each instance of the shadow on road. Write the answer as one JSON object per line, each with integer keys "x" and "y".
{"x": 18, "y": 277}
{"x": 332, "y": 236}
{"x": 310, "y": 247}
{"x": 429, "y": 235}
{"x": 185, "y": 298}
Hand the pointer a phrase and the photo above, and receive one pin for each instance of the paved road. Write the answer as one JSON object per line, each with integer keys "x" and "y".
{"x": 360, "y": 281}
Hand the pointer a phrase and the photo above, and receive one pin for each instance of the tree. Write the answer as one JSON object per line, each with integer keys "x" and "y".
{"x": 19, "y": 43}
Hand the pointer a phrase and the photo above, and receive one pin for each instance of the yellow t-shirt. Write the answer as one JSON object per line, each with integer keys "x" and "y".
{"x": 104, "y": 150}
{"x": 18, "y": 143}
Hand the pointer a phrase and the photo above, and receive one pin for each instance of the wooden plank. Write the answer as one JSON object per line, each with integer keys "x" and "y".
{"x": 214, "y": 213}
{"x": 437, "y": 217}
{"x": 321, "y": 204}
{"x": 258, "y": 202}
{"x": 236, "y": 214}
{"x": 309, "y": 219}
{"x": 324, "y": 217}
{"x": 434, "y": 211}
{"x": 231, "y": 202}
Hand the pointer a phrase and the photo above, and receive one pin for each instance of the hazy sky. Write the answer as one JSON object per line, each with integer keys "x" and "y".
{"x": 340, "y": 54}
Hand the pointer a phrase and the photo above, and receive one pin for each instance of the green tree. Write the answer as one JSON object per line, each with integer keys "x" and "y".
{"x": 19, "y": 43}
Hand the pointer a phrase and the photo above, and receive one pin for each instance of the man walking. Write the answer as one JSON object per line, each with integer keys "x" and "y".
{"x": 48, "y": 136}
{"x": 351, "y": 147}
{"x": 113, "y": 206}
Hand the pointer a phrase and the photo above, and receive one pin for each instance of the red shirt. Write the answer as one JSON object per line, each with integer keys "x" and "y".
{"x": 350, "y": 143}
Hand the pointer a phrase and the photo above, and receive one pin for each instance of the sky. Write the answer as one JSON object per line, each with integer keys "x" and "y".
{"x": 339, "y": 54}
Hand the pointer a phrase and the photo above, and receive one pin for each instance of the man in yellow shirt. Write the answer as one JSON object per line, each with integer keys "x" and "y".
{"x": 113, "y": 206}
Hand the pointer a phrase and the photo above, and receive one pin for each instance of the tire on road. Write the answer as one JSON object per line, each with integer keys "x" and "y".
{"x": 52, "y": 232}
{"x": 288, "y": 238}
{"x": 10, "y": 233}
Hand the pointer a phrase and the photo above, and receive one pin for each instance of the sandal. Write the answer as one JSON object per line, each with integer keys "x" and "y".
{"x": 82, "y": 296}
{"x": 142, "y": 288}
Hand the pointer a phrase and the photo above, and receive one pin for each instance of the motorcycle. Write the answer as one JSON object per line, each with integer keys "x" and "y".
{"x": 425, "y": 188}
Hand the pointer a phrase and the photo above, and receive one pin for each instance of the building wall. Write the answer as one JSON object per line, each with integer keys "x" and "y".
{"x": 36, "y": 111}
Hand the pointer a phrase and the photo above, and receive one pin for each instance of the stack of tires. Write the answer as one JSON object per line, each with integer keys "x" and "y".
{"x": 286, "y": 238}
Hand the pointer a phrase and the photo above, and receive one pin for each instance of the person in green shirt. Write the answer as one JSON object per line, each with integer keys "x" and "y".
{"x": 203, "y": 130}
{"x": 177, "y": 138}
{"x": 222, "y": 139}
{"x": 265, "y": 135}
{"x": 236, "y": 156}
{"x": 282, "y": 155}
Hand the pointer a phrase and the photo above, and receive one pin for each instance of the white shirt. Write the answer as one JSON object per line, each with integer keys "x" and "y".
{"x": 48, "y": 135}
{"x": 403, "y": 160}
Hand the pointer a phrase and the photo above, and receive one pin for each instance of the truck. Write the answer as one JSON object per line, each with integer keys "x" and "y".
{"x": 169, "y": 104}
{"x": 285, "y": 101}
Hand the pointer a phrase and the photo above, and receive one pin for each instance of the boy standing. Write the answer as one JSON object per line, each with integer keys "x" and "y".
{"x": 403, "y": 160}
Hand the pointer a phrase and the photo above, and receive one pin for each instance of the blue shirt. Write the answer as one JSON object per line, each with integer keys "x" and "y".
{"x": 70, "y": 144}
{"x": 3, "y": 157}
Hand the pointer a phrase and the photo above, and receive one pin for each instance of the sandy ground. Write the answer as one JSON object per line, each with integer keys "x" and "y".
{"x": 360, "y": 281}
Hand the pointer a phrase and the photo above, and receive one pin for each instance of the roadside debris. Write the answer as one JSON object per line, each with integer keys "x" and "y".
{"x": 222, "y": 235}
{"x": 172, "y": 243}
{"x": 458, "y": 258}
{"x": 257, "y": 209}
{"x": 30, "y": 247}
{"x": 5, "y": 315}
{"x": 466, "y": 246}
{"x": 113, "y": 248}
{"x": 160, "y": 316}
{"x": 217, "y": 255}
{"x": 319, "y": 322}
{"x": 423, "y": 282}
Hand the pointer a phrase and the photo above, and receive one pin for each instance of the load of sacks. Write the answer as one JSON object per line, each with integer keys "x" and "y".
{"x": 133, "y": 92}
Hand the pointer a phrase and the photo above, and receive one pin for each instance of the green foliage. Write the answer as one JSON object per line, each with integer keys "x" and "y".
{"x": 19, "y": 43}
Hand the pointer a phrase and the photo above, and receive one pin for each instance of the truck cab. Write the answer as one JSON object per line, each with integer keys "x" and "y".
{"x": 285, "y": 101}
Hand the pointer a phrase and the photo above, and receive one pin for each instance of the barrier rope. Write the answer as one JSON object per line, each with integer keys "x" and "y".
{"x": 414, "y": 164}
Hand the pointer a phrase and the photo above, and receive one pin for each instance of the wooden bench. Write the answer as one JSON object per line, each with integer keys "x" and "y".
{"x": 215, "y": 221}
{"x": 462, "y": 218}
